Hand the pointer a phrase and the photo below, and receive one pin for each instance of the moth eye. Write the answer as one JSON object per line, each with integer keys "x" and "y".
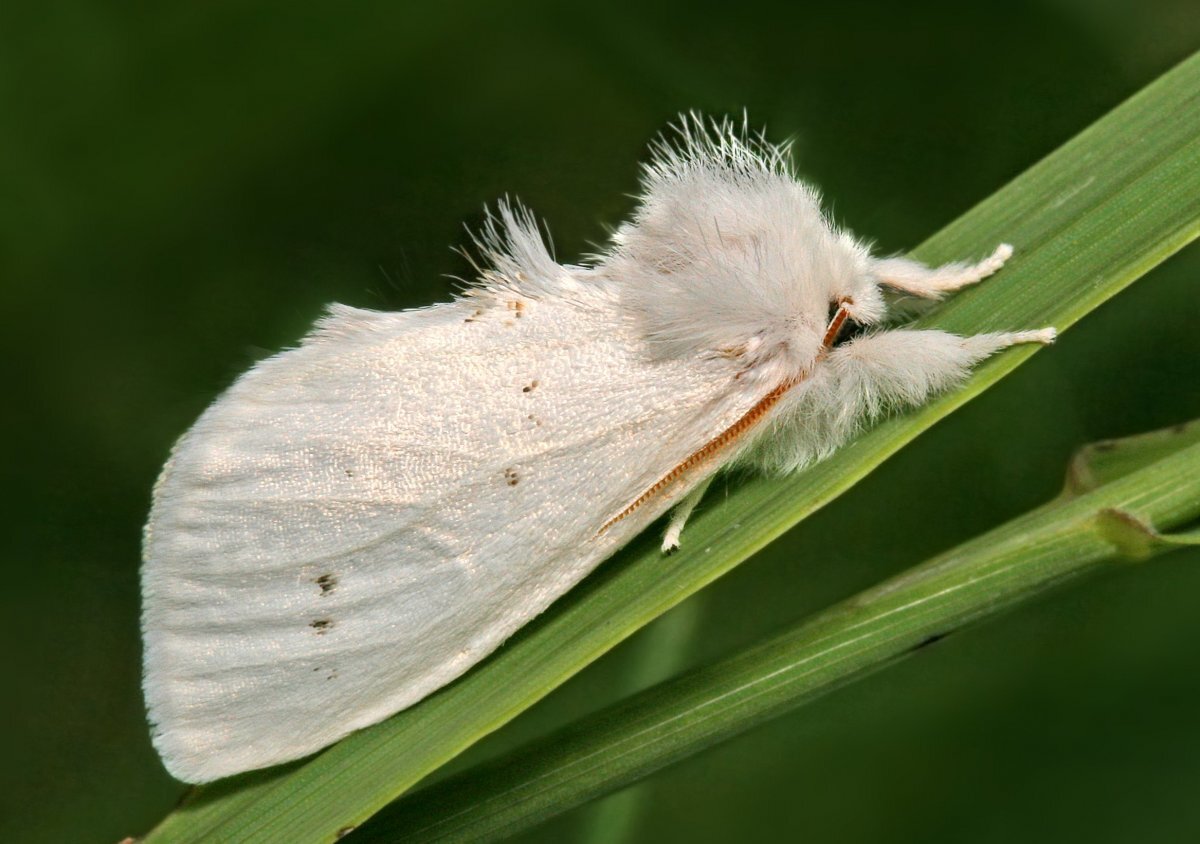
{"x": 850, "y": 331}
{"x": 844, "y": 330}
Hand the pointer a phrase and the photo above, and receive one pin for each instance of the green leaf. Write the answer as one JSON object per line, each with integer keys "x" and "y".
{"x": 622, "y": 743}
{"x": 1086, "y": 221}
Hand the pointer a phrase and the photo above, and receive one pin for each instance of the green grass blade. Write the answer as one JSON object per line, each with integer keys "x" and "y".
{"x": 1115, "y": 522}
{"x": 1086, "y": 221}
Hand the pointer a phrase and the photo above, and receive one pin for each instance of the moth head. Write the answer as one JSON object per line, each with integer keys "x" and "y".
{"x": 851, "y": 285}
{"x": 851, "y": 301}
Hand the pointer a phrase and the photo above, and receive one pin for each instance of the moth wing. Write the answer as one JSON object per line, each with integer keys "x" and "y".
{"x": 357, "y": 521}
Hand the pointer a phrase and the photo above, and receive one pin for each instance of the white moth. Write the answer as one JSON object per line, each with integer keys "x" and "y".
{"x": 358, "y": 521}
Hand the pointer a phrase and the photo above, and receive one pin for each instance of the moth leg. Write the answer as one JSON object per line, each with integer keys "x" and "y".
{"x": 913, "y": 277}
{"x": 680, "y": 514}
{"x": 904, "y": 368}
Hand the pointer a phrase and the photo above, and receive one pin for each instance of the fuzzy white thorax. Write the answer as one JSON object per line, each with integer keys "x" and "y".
{"x": 729, "y": 253}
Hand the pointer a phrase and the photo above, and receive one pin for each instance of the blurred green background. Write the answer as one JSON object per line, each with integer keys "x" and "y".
{"x": 183, "y": 187}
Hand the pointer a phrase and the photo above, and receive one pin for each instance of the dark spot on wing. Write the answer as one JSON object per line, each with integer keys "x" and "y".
{"x": 511, "y": 476}
{"x": 478, "y": 313}
{"x": 518, "y": 310}
{"x": 535, "y": 420}
{"x": 321, "y": 625}
{"x": 327, "y": 582}
{"x": 530, "y": 387}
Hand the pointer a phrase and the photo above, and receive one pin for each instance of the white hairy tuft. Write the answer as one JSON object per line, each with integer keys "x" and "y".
{"x": 728, "y": 250}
